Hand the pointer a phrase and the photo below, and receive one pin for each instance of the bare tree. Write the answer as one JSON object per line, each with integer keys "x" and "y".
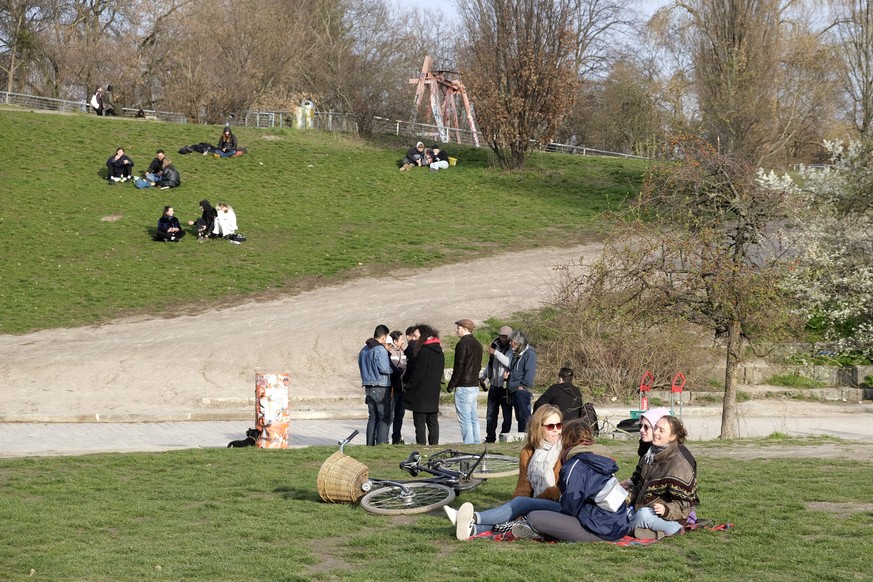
{"x": 852, "y": 32}
{"x": 737, "y": 46}
{"x": 707, "y": 253}
{"x": 517, "y": 59}
{"x": 362, "y": 66}
{"x": 20, "y": 25}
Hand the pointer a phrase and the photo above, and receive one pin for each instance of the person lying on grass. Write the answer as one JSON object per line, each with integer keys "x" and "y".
{"x": 538, "y": 469}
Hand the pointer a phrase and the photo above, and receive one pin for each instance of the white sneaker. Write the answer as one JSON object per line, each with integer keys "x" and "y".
{"x": 523, "y": 531}
{"x": 464, "y": 522}
{"x": 452, "y": 513}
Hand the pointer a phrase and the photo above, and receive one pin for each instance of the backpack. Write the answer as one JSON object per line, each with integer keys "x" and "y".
{"x": 589, "y": 415}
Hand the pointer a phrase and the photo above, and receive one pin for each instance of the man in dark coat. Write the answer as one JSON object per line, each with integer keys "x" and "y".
{"x": 423, "y": 389}
{"x": 465, "y": 381}
{"x": 563, "y": 395}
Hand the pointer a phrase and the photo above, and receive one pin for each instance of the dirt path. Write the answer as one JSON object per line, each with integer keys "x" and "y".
{"x": 164, "y": 366}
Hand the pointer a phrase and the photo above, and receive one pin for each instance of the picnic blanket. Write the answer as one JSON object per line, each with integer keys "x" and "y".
{"x": 623, "y": 542}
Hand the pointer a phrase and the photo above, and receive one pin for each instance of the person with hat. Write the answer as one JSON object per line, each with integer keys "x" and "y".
{"x": 437, "y": 159}
{"x": 465, "y": 381}
{"x": 499, "y": 358}
{"x": 414, "y": 157}
{"x": 226, "y": 144}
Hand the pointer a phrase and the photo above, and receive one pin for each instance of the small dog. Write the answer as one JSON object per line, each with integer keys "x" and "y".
{"x": 252, "y": 435}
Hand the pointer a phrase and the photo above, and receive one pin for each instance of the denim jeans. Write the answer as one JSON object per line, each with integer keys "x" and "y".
{"x": 521, "y": 400}
{"x": 399, "y": 411}
{"x": 153, "y": 177}
{"x": 468, "y": 415}
{"x": 227, "y": 154}
{"x": 498, "y": 402}
{"x": 515, "y": 507}
{"x": 646, "y": 517}
{"x": 379, "y": 410}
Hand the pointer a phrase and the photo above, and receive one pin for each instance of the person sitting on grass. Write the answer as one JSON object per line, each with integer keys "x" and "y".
{"x": 119, "y": 166}
{"x": 665, "y": 487}
{"x": 414, "y": 157}
{"x": 206, "y": 222}
{"x": 226, "y": 147}
{"x": 156, "y": 168}
{"x": 437, "y": 159}
{"x": 225, "y": 221}
{"x": 169, "y": 178}
{"x": 169, "y": 229}
{"x": 538, "y": 469}
{"x": 587, "y": 474}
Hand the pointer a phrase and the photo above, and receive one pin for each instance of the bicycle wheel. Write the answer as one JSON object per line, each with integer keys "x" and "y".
{"x": 491, "y": 467}
{"x": 411, "y": 498}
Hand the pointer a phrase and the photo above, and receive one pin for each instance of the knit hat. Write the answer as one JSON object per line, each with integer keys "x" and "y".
{"x": 466, "y": 323}
{"x": 505, "y": 330}
{"x": 656, "y": 414}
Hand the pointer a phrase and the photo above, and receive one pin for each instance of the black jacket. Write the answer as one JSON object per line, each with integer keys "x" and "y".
{"x": 423, "y": 390}
{"x": 165, "y": 223}
{"x": 468, "y": 362}
{"x": 157, "y": 166}
{"x": 225, "y": 144}
{"x": 566, "y": 397}
{"x": 170, "y": 178}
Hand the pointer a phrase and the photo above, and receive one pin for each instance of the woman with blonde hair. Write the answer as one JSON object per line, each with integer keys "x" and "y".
{"x": 593, "y": 505}
{"x": 538, "y": 469}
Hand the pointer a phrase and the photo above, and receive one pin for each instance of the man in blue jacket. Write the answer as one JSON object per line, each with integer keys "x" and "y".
{"x": 522, "y": 371}
{"x": 375, "y": 366}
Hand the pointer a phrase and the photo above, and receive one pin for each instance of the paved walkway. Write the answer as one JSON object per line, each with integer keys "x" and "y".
{"x": 757, "y": 419}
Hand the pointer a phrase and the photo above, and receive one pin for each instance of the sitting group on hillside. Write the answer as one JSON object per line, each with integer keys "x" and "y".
{"x": 161, "y": 173}
{"x": 217, "y": 222}
{"x": 419, "y": 156}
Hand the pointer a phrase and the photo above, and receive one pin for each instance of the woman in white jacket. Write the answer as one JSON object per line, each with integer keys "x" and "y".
{"x": 225, "y": 222}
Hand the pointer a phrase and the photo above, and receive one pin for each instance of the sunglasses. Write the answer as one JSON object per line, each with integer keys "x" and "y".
{"x": 554, "y": 426}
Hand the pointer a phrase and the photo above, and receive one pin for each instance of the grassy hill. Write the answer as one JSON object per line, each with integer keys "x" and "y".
{"x": 316, "y": 208}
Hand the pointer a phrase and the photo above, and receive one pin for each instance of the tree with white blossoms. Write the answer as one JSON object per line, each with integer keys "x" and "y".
{"x": 834, "y": 278}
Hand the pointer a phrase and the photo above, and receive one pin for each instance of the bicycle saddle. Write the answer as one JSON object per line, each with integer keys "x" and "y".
{"x": 410, "y": 464}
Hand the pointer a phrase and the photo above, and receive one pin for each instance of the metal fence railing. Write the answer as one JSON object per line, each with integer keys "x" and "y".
{"x": 321, "y": 120}
{"x": 49, "y": 104}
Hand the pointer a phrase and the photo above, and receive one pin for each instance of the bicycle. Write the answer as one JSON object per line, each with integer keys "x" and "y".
{"x": 452, "y": 472}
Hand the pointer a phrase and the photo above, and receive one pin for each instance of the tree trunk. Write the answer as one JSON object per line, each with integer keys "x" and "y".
{"x": 732, "y": 364}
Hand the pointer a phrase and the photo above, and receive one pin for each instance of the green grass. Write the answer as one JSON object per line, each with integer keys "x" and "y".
{"x": 316, "y": 208}
{"x": 794, "y": 381}
{"x": 248, "y": 514}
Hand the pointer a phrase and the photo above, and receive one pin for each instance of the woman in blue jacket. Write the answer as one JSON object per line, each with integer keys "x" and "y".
{"x": 586, "y": 476}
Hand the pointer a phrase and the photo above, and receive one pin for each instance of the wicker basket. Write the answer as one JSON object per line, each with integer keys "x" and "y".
{"x": 340, "y": 479}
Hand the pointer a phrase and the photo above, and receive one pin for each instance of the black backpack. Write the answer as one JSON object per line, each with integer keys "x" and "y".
{"x": 589, "y": 415}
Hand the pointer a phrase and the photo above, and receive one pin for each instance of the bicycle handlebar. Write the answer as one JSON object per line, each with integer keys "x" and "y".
{"x": 347, "y": 440}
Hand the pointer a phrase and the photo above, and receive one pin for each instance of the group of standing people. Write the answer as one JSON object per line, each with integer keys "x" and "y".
{"x": 402, "y": 372}
{"x": 419, "y": 156}
{"x": 567, "y": 489}
{"x": 102, "y": 102}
